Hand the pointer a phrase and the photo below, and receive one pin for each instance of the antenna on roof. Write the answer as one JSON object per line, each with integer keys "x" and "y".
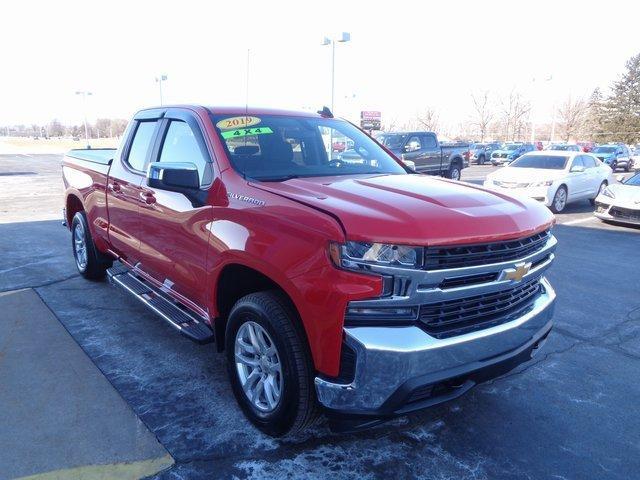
{"x": 325, "y": 112}
{"x": 246, "y": 99}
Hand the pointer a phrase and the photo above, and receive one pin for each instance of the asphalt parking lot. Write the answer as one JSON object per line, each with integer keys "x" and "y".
{"x": 570, "y": 413}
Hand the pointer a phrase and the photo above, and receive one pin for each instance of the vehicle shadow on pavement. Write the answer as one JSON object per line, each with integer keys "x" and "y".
{"x": 560, "y": 414}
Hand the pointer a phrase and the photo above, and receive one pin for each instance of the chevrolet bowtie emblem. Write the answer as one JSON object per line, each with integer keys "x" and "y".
{"x": 517, "y": 273}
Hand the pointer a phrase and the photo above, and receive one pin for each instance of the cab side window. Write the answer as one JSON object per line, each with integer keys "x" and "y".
{"x": 429, "y": 142}
{"x": 141, "y": 145}
{"x": 181, "y": 145}
{"x": 413, "y": 144}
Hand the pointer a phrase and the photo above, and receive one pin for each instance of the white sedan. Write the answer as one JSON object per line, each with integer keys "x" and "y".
{"x": 620, "y": 202}
{"x": 554, "y": 178}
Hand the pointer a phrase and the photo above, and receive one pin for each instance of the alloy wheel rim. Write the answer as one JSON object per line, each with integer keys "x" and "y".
{"x": 455, "y": 174}
{"x": 80, "y": 246}
{"x": 561, "y": 198}
{"x": 258, "y": 366}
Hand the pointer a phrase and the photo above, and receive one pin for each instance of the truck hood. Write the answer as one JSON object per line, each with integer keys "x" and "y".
{"x": 415, "y": 209}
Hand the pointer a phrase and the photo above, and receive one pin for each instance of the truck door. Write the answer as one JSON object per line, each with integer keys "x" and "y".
{"x": 414, "y": 152}
{"x": 124, "y": 187}
{"x": 433, "y": 154}
{"x": 173, "y": 230}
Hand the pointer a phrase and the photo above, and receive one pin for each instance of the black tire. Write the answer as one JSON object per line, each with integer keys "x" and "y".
{"x": 614, "y": 166}
{"x": 627, "y": 166}
{"x": 454, "y": 172}
{"x": 557, "y": 208}
{"x": 297, "y": 407}
{"x": 592, "y": 201}
{"x": 94, "y": 266}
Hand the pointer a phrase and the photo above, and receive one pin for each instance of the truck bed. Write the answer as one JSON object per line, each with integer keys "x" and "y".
{"x": 102, "y": 156}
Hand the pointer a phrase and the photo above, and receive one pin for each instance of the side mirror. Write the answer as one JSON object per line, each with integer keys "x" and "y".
{"x": 410, "y": 164}
{"x": 577, "y": 169}
{"x": 176, "y": 177}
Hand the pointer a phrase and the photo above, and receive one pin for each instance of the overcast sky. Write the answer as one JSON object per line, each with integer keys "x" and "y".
{"x": 403, "y": 56}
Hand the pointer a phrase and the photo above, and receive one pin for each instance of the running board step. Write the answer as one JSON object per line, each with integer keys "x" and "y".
{"x": 187, "y": 323}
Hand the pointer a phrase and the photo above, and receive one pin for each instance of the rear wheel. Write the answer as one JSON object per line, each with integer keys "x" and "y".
{"x": 559, "y": 200}
{"x": 269, "y": 364}
{"x": 91, "y": 263}
{"x": 454, "y": 172}
{"x": 603, "y": 185}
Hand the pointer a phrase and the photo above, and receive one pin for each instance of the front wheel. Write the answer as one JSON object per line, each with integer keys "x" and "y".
{"x": 91, "y": 263}
{"x": 559, "y": 200}
{"x": 269, "y": 364}
{"x": 454, "y": 172}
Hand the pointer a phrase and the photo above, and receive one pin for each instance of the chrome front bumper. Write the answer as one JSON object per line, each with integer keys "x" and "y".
{"x": 392, "y": 362}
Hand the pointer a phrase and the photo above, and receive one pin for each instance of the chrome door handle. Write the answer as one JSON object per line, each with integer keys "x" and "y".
{"x": 147, "y": 197}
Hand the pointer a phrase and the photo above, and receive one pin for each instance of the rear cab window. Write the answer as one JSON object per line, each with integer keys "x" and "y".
{"x": 140, "y": 146}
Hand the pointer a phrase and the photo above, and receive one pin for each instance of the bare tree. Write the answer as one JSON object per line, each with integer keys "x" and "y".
{"x": 515, "y": 114}
{"x": 56, "y": 129}
{"x": 391, "y": 124}
{"x": 428, "y": 120}
{"x": 118, "y": 127}
{"x": 572, "y": 118}
{"x": 483, "y": 112}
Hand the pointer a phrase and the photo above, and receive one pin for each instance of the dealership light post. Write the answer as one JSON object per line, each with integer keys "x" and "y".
{"x": 343, "y": 38}
{"x": 159, "y": 80}
{"x": 84, "y": 94}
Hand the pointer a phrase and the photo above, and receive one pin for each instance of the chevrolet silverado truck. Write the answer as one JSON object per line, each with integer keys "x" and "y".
{"x": 427, "y": 153}
{"x": 361, "y": 290}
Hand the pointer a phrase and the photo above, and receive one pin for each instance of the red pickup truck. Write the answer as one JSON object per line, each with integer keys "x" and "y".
{"x": 360, "y": 289}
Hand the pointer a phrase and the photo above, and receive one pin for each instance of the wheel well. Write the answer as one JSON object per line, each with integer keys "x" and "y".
{"x": 456, "y": 161}
{"x": 235, "y": 282}
{"x": 74, "y": 205}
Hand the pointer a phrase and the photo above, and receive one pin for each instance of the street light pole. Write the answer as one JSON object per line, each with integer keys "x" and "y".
{"x": 343, "y": 38}
{"x": 159, "y": 81}
{"x": 84, "y": 94}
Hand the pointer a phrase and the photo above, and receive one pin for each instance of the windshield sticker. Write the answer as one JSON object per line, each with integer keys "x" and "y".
{"x": 243, "y": 132}
{"x": 237, "y": 122}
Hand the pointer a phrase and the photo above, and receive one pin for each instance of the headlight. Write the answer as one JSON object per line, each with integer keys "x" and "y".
{"x": 358, "y": 255}
{"x": 607, "y": 192}
{"x": 545, "y": 183}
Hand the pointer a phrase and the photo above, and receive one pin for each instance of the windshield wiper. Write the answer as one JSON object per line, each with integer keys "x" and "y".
{"x": 281, "y": 178}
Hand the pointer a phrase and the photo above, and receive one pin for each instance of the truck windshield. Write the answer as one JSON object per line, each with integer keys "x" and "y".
{"x": 547, "y": 162}
{"x": 392, "y": 141}
{"x": 278, "y": 147}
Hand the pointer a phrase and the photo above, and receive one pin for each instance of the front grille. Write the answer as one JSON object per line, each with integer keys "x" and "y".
{"x": 455, "y": 317}
{"x": 625, "y": 213}
{"x": 468, "y": 280}
{"x": 438, "y": 258}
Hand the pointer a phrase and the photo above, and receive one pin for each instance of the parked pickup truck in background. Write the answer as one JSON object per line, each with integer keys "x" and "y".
{"x": 429, "y": 156}
{"x": 362, "y": 290}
